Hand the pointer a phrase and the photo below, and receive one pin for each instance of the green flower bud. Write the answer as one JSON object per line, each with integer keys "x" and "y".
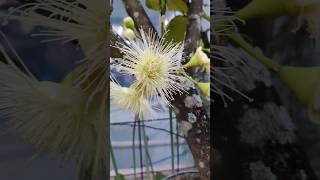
{"x": 128, "y": 23}
{"x": 204, "y": 88}
{"x": 198, "y": 59}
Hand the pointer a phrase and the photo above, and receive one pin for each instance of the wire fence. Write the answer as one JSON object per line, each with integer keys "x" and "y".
{"x": 142, "y": 143}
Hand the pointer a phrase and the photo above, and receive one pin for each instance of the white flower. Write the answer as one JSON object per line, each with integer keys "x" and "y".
{"x": 129, "y": 100}
{"x": 82, "y": 20}
{"x": 53, "y": 118}
{"x": 155, "y": 65}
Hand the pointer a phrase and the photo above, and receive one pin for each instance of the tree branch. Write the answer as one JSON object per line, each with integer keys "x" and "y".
{"x": 193, "y": 28}
{"x": 198, "y": 137}
{"x": 137, "y": 12}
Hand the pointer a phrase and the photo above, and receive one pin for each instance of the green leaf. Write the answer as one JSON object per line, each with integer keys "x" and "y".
{"x": 176, "y": 29}
{"x": 172, "y": 5}
{"x": 119, "y": 177}
{"x": 159, "y": 176}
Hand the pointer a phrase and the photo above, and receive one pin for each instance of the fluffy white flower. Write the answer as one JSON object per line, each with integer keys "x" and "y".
{"x": 53, "y": 118}
{"x": 129, "y": 100}
{"x": 83, "y": 20}
{"x": 155, "y": 64}
{"x": 68, "y": 20}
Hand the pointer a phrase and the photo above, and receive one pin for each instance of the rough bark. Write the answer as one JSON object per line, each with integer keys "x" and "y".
{"x": 190, "y": 106}
{"x": 301, "y": 54}
{"x": 137, "y": 12}
{"x": 195, "y": 124}
{"x": 189, "y": 109}
{"x": 257, "y": 140}
{"x": 193, "y": 27}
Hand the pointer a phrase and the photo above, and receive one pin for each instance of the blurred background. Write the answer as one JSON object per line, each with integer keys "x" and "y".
{"x": 167, "y": 149}
{"x": 280, "y": 39}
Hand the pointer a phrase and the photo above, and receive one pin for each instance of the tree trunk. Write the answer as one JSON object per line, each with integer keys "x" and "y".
{"x": 257, "y": 141}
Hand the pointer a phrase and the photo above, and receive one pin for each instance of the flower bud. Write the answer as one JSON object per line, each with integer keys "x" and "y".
{"x": 128, "y": 22}
{"x": 204, "y": 88}
{"x": 198, "y": 59}
{"x": 129, "y": 34}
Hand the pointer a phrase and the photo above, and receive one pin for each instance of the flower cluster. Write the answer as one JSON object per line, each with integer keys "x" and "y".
{"x": 156, "y": 67}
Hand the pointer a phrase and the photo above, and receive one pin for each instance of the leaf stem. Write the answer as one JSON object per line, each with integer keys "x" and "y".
{"x": 266, "y": 61}
{"x": 146, "y": 148}
{"x": 134, "y": 150}
{"x": 163, "y": 9}
{"x": 140, "y": 148}
{"x": 171, "y": 139}
{"x": 205, "y": 16}
{"x": 114, "y": 162}
{"x": 182, "y": 72}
